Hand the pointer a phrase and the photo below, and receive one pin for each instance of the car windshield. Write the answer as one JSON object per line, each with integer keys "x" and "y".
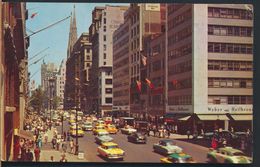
{"x": 169, "y": 143}
{"x": 238, "y": 154}
{"x": 100, "y": 127}
{"x": 111, "y": 147}
{"x": 111, "y": 126}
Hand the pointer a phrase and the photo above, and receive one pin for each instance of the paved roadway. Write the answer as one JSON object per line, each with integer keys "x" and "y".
{"x": 135, "y": 152}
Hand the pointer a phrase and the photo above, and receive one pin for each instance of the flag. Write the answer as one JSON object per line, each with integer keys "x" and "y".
{"x": 175, "y": 82}
{"x": 144, "y": 60}
{"x": 149, "y": 83}
{"x": 33, "y": 15}
{"x": 139, "y": 85}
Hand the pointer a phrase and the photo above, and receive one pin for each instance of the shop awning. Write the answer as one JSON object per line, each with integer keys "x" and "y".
{"x": 242, "y": 117}
{"x": 24, "y": 134}
{"x": 212, "y": 117}
{"x": 184, "y": 118}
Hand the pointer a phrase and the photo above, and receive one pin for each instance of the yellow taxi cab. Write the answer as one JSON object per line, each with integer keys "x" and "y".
{"x": 73, "y": 131}
{"x": 111, "y": 128}
{"x": 98, "y": 129}
{"x": 100, "y": 123}
{"x": 111, "y": 150}
{"x": 72, "y": 121}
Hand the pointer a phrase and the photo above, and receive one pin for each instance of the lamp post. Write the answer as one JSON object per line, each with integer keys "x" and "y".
{"x": 51, "y": 84}
{"x": 77, "y": 108}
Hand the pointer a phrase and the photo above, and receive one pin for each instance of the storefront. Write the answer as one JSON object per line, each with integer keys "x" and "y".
{"x": 241, "y": 122}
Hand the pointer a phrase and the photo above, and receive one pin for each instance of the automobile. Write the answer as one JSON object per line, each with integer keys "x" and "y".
{"x": 166, "y": 147}
{"x": 128, "y": 130}
{"x": 103, "y": 137}
{"x": 100, "y": 123}
{"x": 226, "y": 134}
{"x": 87, "y": 126}
{"x": 137, "y": 137}
{"x": 97, "y": 129}
{"x": 110, "y": 150}
{"x": 108, "y": 120}
{"x": 71, "y": 121}
{"x": 227, "y": 155}
{"x": 111, "y": 128}
{"x": 177, "y": 158}
{"x": 73, "y": 131}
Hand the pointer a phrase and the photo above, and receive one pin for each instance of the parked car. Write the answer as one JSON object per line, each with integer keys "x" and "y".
{"x": 137, "y": 137}
{"x": 111, "y": 150}
{"x": 166, "y": 147}
{"x": 227, "y": 155}
{"x": 225, "y": 134}
{"x": 103, "y": 137}
{"x": 177, "y": 158}
{"x": 128, "y": 130}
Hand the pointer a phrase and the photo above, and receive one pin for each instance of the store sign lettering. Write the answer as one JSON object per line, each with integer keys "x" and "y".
{"x": 230, "y": 109}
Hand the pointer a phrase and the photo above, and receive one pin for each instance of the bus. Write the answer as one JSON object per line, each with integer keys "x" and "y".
{"x": 126, "y": 121}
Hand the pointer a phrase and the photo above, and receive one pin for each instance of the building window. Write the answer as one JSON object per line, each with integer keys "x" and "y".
{"x": 105, "y": 63}
{"x": 109, "y": 81}
{"x": 105, "y": 21}
{"x": 109, "y": 100}
{"x": 109, "y": 90}
{"x": 105, "y": 47}
{"x": 105, "y": 55}
{"x": 229, "y": 13}
{"x": 105, "y": 38}
{"x": 230, "y": 48}
{"x": 104, "y": 28}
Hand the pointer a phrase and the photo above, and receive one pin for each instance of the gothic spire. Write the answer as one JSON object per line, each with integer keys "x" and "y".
{"x": 73, "y": 32}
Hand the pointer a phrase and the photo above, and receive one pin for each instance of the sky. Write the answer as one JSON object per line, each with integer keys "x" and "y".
{"x": 56, "y": 37}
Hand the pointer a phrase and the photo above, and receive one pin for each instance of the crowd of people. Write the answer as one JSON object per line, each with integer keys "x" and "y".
{"x": 30, "y": 149}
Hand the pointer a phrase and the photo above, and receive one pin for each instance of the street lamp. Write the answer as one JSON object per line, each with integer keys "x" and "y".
{"x": 77, "y": 108}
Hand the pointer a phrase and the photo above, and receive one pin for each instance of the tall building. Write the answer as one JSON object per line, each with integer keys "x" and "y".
{"x": 13, "y": 78}
{"x": 73, "y": 36}
{"x": 109, "y": 19}
{"x": 60, "y": 82}
{"x": 145, "y": 19}
{"x": 77, "y": 79}
{"x": 210, "y": 67}
{"x": 121, "y": 92}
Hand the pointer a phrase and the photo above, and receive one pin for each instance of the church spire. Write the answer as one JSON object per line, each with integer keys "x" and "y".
{"x": 73, "y": 32}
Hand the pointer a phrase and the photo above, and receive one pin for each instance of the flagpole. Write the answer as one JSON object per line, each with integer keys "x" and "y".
{"x": 46, "y": 27}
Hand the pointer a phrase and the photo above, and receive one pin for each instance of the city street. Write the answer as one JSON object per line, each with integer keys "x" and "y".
{"x": 134, "y": 152}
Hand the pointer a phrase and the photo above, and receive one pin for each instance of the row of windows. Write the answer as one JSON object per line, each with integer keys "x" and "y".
{"x": 229, "y": 13}
{"x": 229, "y": 83}
{"x": 179, "y": 52}
{"x": 121, "y": 102}
{"x": 174, "y": 7}
{"x": 184, "y": 33}
{"x": 135, "y": 44}
{"x": 135, "y": 57}
{"x": 122, "y": 63}
{"x": 120, "y": 93}
{"x": 230, "y": 100}
{"x": 122, "y": 53}
{"x": 180, "y": 100}
{"x": 179, "y": 19}
{"x": 230, "y": 31}
{"x": 156, "y": 100}
{"x": 134, "y": 31}
{"x": 135, "y": 69}
{"x": 180, "y": 68}
{"x": 135, "y": 18}
{"x": 230, "y": 48}
{"x": 120, "y": 34}
{"x": 230, "y": 65}
{"x": 121, "y": 43}
{"x": 181, "y": 84}
{"x": 157, "y": 65}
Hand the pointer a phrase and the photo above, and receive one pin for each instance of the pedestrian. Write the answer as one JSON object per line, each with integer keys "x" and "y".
{"x": 45, "y": 138}
{"x": 63, "y": 158}
{"x": 23, "y": 153}
{"x": 64, "y": 136}
{"x": 40, "y": 141}
{"x": 29, "y": 155}
{"x": 54, "y": 141}
{"x": 154, "y": 130}
{"x": 37, "y": 152}
{"x": 52, "y": 159}
{"x": 64, "y": 146}
{"x": 168, "y": 132}
{"x": 58, "y": 144}
{"x": 195, "y": 134}
{"x": 214, "y": 143}
{"x": 68, "y": 136}
{"x": 148, "y": 130}
{"x": 71, "y": 146}
{"x": 188, "y": 134}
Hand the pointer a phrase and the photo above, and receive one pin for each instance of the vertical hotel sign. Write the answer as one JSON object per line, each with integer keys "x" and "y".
{"x": 152, "y": 7}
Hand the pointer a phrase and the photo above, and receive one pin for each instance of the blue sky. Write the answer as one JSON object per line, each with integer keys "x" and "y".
{"x": 56, "y": 37}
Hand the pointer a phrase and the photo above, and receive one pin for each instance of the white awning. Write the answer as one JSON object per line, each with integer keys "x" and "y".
{"x": 242, "y": 117}
{"x": 213, "y": 117}
{"x": 184, "y": 118}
